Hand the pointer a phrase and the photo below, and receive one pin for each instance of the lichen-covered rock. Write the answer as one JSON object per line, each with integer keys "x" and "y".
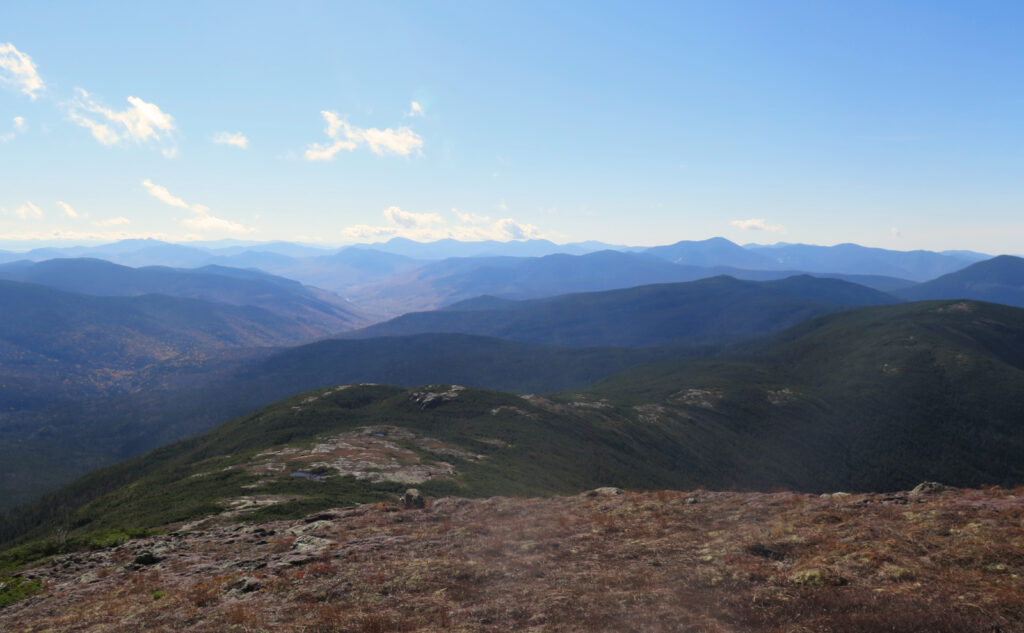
{"x": 147, "y": 558}
{"x": 310, "y": 543}
{"x": 835, "y": 495}
{"x": 816, "y": 577}
{"x": 928, "y": 488}
{"x": 413, "y": 499}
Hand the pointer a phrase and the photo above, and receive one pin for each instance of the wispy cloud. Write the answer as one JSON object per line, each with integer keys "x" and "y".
{"x": 204, "y": 222}
{"x": 163, "y": 195}
{"x": 415, "y": 109}
{"x": 201, "y": 220}
{"x": 28, "y": 211}
{"x": 118, "y": 221}
{"x": 18, "y": 70}
{"x": 19, "y": 126}
{"x": 471, "y": 218}
{"x": 68, "y": 209}
{"x": 83, "y": 236}
{"x": 431, "y": 226}
{"x": 141, "y": 122}
{"x": 402, "y": 141}
{"x": 236, "y": 139}
{"x": 757, "y": 224}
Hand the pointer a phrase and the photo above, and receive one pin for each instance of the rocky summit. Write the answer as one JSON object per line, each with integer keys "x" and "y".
{"x": 935, "y": 559}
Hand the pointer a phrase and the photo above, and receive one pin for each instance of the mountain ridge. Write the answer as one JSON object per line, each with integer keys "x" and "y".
{"x": 711, "y": 310}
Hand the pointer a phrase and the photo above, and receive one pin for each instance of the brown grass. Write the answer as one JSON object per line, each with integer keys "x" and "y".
{"x": 660, "y": 561}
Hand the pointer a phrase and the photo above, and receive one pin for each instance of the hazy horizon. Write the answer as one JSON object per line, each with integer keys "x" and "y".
{"x": 27, "y": 246}
{"x": 890, "y": 126}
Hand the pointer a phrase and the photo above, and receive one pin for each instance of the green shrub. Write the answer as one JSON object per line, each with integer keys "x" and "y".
{"x": 17, "y": 588}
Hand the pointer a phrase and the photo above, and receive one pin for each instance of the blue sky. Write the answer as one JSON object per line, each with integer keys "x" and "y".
{"x": 887, "y": 124}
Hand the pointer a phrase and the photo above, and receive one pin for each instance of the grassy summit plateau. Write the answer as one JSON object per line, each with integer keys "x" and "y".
{"x": 948, "y": 561}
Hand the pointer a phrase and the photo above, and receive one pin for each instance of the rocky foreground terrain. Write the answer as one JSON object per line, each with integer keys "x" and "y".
{"x": 930, "y": 560}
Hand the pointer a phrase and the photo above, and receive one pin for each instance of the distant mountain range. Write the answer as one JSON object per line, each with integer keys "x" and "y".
{"x": 402, "y": 275}
{"x": 842, "y": 258}
{"x": 448, "y": 248}
{"x": 913, "y": 265}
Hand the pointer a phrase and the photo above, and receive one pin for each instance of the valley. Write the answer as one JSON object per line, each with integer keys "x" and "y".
{"x": 811, "y": 384}
{"x": 129, "y": 358}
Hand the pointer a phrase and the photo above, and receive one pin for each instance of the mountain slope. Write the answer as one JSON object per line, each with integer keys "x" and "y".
{"x": 56, "y": 344}
{"x": 319, "y": 312}
{"x": 867, "y": 399}
{"x": 51, "y": 443}
{"x": 451, "y": 280}
{"x": 998, "y": 280}
{"x": 706, "y": 311}
{"x": 348, "y": 268}
{"x": 437, "y": 284}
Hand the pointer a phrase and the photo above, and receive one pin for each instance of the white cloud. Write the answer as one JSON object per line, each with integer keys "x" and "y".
{"x": 118, "y": 221}
{"x": 402, "y": 141}
{"x": 409, "y": 220}
{"x": 431, "y": 226}
{"x": 142, "y": 122}
{"x": 68, "y": 209}
{"x": 201, "y": 219}
{"x": 19, "y": 126}
{"x": 757, "y": 224}
{"x": 471, "y": 218}
{"x": 367, "y": 232}
{"x": 205, "y": 222}
{"x": 100, "y": 132}
{"x": 512, "y": 230}
{"x": 227, "y": 138}
{"x": 16, "y": 68}
{"x": 415, "y": 109}
{"x": 28, "y": 210}
{"x": 162, "y": 194}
